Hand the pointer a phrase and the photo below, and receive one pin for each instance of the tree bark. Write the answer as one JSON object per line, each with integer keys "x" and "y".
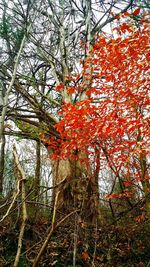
{"x": 78, "y": 189}
{"x": 36, "y": 183}
{"x": 2, "y": 161}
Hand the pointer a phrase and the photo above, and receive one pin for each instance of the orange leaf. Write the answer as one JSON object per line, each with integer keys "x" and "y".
{"x": 136, "y": 12}
{"x": 127, "y": 14}
{"x": 85, "y": 256}
{"x": 59, "y": 87}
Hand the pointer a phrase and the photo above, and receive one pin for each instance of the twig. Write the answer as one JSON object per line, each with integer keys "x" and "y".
{"x": 95, "y": 246}
{"x": 13, "y": 201}
{"x": 13, "y": 77}
{"x": 50, "y": 232}
{"x": 75, "y": 240}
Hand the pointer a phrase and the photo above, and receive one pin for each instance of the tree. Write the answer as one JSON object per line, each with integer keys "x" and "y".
{"x": 74, "y": 77}
{"x": 112, "y": 122}
{"x": 62, "y": 34}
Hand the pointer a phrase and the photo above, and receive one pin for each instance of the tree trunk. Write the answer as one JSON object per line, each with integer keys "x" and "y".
{"x": 78, "y": 189}
{"x": 33, "y": 186}
{"x": 36, "y": 182}
{"x": 2, "y": 161}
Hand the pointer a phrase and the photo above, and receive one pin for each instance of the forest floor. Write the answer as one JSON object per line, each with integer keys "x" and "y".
{"x": 120, "y": 244}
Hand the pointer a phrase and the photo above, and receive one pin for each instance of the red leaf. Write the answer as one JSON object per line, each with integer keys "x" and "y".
{"x": 136, "y": 12}
{"x": 59, "y": 87}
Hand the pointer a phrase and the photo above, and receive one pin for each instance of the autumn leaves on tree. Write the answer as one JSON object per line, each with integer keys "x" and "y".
{"x": 74, "y": 98}
{"x": 111, "y": 122}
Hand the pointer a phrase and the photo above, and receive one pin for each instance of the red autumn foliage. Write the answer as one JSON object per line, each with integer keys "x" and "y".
{"x": 113, "y": 118}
